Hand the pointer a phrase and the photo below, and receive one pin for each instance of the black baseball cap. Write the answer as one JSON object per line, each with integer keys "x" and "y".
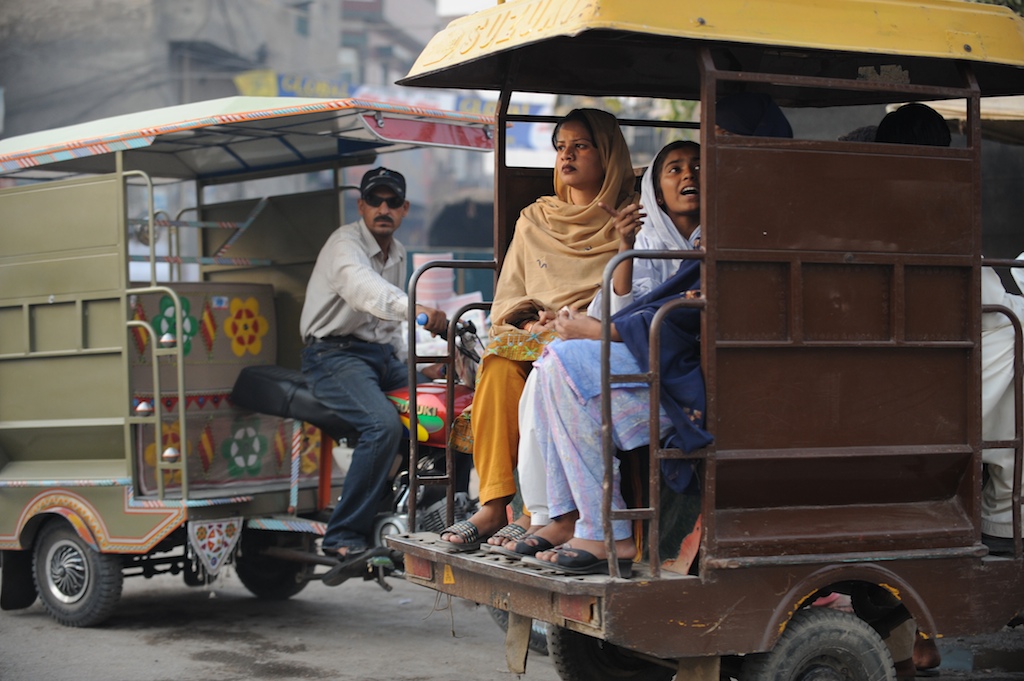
{"x": 382, "y": 177}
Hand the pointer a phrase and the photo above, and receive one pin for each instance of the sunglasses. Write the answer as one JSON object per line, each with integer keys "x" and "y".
{"x": 374, "y": 201}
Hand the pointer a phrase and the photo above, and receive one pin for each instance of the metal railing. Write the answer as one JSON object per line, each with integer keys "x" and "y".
{"x": 449, "y": 361}
{"x": 652, "y": 378}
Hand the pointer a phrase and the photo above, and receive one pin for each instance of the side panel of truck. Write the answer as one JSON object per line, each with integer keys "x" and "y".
{"x": 74, "y": 441}
{"x": 63, "y": 360}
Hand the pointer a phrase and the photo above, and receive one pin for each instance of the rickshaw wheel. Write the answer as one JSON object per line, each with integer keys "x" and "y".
{"x": 78, "y": 586}
{"x": 579, "y": 657}
{"x": 820, "y": 644}
{"x": 266, "y": 577}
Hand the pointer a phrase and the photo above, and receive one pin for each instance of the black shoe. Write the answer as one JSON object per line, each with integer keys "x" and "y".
{"x": 352, "y": 565}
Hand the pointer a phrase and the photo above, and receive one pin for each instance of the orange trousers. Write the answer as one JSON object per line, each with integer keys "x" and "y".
{"x": 495, "y": 423}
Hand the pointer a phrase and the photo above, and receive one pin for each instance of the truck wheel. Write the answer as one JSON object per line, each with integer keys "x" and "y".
{"x": 266, "y": 577}
{"x": 579, "y": 657}
{"x": 820, "y": 644}
{"x": 79, "y": 586}
{"x": 538, "y": 632}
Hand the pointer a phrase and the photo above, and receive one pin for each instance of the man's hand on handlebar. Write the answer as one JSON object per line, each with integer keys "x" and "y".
{"x": 437, "y": 321}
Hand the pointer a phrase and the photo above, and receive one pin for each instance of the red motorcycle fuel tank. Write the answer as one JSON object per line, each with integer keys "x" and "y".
{"x": 432, "y": 409}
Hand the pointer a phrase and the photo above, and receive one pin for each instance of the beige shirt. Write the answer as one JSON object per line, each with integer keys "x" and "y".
{"x": 353, "y": 291}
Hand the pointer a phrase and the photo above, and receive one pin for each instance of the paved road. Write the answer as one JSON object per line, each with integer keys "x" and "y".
{"x": 165, "y": 631}
{"x": 995, "y": 657}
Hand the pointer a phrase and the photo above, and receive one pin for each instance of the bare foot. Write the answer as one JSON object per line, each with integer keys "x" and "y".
{"x": 557, "y": 531}
{"x": 488, "y": 519}
{"x": 624, "y": 548}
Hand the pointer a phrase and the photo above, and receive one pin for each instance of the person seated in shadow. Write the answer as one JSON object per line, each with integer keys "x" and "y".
{"x": 914, "y": 123}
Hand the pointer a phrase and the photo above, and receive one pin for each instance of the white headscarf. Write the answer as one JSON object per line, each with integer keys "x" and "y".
{"x": 658, "y": 234}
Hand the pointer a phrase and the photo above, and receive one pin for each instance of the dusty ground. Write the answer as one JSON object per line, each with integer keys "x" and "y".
{"x": 165, "y": 631}
{"x": 996, "y": 657}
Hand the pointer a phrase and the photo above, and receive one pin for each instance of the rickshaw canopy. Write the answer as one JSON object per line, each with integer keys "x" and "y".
{"x": 884, "y": 38}
{"x": 243, "y": 136}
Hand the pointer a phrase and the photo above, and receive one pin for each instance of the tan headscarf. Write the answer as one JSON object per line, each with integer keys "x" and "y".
{"x": 559, "y": 250}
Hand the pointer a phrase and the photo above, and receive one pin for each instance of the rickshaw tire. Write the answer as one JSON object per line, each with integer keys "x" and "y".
{"x": 79, "y": 586}
{"x": 267, "y": 578}
{"x": 578, "y": 657}
{"x": 820, "y": 644}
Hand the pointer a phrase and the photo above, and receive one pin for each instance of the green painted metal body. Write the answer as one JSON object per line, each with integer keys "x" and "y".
{"x": 115, "y": 410}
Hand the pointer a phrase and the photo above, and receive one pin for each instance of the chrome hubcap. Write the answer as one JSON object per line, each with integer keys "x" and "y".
{"x": 68, "y": 572}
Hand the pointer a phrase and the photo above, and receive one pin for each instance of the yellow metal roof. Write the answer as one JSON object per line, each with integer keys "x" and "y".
{"x": 945, "y": 29}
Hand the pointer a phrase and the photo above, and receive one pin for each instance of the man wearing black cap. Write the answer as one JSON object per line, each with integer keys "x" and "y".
{"x": 355, "y": 351}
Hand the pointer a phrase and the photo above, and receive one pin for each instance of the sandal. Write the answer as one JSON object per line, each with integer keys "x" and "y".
{"x": 579, "y": 562}
{"x": 530, "y": 545}
{"x": 510, "y": 532}
{"x": 467, "y": 532}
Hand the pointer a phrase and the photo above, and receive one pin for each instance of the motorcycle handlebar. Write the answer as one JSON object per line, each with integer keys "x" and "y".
{"x": 460, "y": 327}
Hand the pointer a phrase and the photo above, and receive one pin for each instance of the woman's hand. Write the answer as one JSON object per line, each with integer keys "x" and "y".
{"x": 570, "y": 324}
{"x": 544, "y": 322}
{"x": 627, "y": 222}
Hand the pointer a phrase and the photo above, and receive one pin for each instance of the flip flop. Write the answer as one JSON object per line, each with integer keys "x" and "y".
{"x": 530, "y": 545}
{"x": 351, "y": 565}
{"x": 581, "y": 563}
{"x": 468, "y": 532}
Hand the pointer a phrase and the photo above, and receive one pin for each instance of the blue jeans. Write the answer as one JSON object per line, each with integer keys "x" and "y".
{"x": 350, "y": 377}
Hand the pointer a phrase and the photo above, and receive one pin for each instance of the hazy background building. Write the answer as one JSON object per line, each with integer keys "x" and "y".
{"x": 64, "y": 62}
{"x": 68, "y": 61}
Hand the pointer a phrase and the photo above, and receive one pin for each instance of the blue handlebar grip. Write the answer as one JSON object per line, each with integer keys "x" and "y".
{"x": 421, "y": 318}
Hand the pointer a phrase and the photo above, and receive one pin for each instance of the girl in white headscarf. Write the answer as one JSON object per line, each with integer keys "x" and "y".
{"x": 667, "y": 225}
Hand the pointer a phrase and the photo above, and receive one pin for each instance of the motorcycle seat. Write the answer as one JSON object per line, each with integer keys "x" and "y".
{"x": 270, "y": 389}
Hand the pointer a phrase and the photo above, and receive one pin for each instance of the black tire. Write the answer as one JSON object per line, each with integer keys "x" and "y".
{"x": 538, "y": 632}
{"x": 579, "y": 657}
{"x": 820, "y": 644}
{"x": 78, "y": 586}
{"x": 266, "y": 577}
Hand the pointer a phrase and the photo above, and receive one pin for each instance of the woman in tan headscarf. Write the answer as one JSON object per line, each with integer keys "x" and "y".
{"x": 557, "y": 256}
